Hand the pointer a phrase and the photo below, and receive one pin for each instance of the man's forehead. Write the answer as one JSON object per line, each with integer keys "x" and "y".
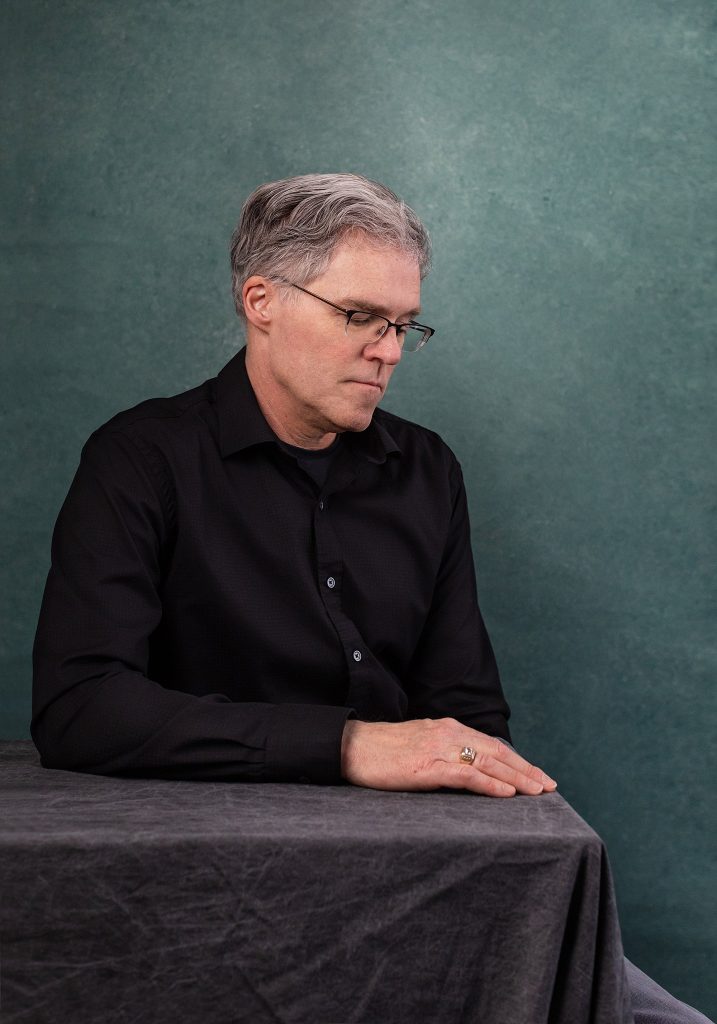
{"x": 367, "y": 275}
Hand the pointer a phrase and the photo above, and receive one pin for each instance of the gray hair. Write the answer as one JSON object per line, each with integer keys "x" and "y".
{"x": 289, "y": 229}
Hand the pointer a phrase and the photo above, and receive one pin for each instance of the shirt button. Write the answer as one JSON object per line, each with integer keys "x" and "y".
{"x": 331, "y": 583}
{"x": 321, "y": 505}
{"x": 357, "y": 655}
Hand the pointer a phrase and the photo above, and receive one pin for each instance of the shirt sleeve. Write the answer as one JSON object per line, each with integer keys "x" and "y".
{"x": 95, "y": 707}
{"x": 453, "y": 671}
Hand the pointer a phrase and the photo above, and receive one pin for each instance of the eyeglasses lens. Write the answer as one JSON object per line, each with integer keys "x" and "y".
{"x": 368, "y": 328}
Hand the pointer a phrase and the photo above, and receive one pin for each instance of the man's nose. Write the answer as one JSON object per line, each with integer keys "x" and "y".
{"x": 387, "y": 348}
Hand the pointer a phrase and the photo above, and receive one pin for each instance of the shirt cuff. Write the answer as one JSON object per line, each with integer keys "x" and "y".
{"x": 304, "y": 743}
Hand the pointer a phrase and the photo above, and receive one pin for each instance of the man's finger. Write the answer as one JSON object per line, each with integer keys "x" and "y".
{"x": 522, "y": 782}
{"x": 503, "y": 753}
{"x": 465, "y": 776}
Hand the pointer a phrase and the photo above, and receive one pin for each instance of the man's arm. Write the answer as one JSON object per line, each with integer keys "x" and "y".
{"x": 453, "y": 673}
{"x": 95, "y": 707}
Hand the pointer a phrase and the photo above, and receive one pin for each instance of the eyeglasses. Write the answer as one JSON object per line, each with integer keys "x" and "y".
{"x": 369, "y": 327}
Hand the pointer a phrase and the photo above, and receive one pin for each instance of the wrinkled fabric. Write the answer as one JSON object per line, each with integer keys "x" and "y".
{"x": 150, "y": 900}
{"x": 651, "y": 1004}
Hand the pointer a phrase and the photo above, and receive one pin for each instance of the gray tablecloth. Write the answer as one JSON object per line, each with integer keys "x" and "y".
{"x": 139, "y": 900}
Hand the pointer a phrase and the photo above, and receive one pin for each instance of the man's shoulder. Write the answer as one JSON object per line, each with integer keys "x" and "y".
{"x": 155, "y": 420}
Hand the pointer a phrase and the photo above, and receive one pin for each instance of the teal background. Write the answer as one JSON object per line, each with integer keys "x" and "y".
{"x": 562, "y": 155}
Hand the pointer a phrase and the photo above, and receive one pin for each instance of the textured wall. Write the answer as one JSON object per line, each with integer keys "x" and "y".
{"x": 562, "y": 155}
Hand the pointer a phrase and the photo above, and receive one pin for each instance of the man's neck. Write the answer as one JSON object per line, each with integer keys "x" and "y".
{"x": 277, "y": 418}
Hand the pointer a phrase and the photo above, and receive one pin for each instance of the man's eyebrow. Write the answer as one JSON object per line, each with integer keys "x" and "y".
{"x": 372, "y": 307}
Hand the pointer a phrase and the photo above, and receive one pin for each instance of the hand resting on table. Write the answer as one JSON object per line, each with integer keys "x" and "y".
{"x": 425, "y": 754}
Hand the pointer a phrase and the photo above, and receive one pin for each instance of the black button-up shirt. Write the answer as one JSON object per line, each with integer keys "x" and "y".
{"x": 211, "y": 613}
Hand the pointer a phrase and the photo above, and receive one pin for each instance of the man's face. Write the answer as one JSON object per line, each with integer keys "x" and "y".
{"x": 319, "y": 380}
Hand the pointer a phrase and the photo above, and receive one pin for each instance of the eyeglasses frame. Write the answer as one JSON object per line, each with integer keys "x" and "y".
{"x": 428, "y": 331}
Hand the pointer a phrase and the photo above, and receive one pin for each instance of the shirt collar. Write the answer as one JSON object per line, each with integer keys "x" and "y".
{"x": 242, "y": 424}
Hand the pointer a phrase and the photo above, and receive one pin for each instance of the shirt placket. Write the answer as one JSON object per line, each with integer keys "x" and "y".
{"x": 366, "y": 694}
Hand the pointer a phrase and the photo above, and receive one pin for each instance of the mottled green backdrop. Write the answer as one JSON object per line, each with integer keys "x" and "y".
{"x": 562, "y": 155}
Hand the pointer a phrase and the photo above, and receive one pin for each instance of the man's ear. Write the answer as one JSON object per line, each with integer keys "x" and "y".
{"x": 258, "y": 295}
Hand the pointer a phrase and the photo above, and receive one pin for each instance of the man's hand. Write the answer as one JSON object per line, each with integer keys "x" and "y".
{"x": 424, "y": 754}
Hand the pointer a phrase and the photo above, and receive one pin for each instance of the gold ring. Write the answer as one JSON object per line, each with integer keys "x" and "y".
{"x": 468, "y": 755}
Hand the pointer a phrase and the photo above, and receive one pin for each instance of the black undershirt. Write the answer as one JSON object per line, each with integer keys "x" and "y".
{"x": 315, "y": 461}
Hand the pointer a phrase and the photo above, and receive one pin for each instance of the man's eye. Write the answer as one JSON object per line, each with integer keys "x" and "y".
{"x": 371, "y": 318}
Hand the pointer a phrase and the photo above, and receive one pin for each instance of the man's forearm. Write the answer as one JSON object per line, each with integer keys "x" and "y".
{"x": 127, "y": 724}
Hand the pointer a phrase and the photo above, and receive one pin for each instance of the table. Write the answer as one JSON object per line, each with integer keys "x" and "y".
{"x": 145, "y": 900}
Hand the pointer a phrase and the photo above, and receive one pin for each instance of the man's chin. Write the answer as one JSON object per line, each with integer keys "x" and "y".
{"x": 350, "y": 417}
{"x": 355, "y": 423}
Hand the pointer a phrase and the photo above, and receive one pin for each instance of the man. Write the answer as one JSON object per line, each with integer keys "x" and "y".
{"x": 267, "y": 577}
